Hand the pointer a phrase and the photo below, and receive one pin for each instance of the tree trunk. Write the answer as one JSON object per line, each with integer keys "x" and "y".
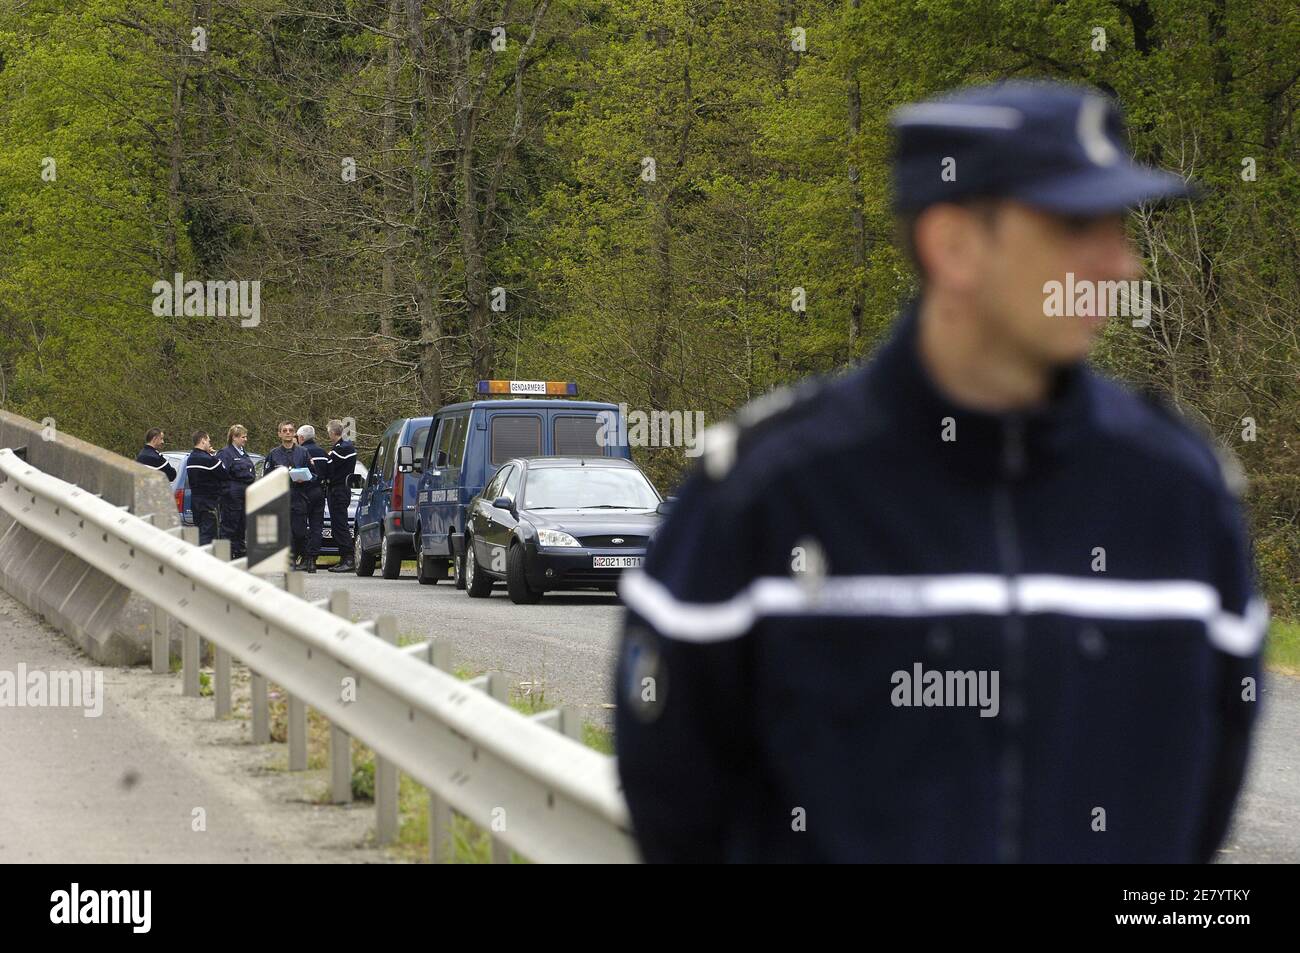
{"x": 859, "y": 220}
{"x": 388, "y": 136}
{"x": 424, "y": 212}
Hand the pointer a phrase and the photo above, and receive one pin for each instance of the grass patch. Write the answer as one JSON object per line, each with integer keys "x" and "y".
{"x": 1282, "y": 650}
{"x": 318, "y": 731}
{"x": 598, "y": 737}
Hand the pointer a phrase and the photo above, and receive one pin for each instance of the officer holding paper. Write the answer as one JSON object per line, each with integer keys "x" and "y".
{"x": 298, "y": 462}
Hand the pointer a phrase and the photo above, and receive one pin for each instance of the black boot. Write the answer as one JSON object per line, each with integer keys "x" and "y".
{"x": 344, "y": 565}
{"x": 310, "y": 563}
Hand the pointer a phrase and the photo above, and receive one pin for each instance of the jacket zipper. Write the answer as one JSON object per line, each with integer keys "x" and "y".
{"x": 1012, "y": 468}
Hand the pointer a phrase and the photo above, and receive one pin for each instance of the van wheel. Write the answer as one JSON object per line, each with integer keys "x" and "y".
{"x": 521, "y": 594}
{"x": 390, "y": 563}
{"x": 477, "y": 583}
{"x": 365, "y": 562}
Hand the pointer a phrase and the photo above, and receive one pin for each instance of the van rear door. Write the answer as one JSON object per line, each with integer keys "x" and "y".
{"x": 513, "y": 433}
{"x": 585, "y": 434}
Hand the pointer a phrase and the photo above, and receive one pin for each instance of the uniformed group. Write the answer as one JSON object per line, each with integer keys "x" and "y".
{"x": 218, "y": 482}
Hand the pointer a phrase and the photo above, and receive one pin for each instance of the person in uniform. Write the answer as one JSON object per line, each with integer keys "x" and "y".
{"x": 239, "y": 465}
{"x": 292, "y": 457}
{"x": 151, "y": 455}
{"x": 972, "y": 601}
{"x": 208, "y": 479}
{"x": 342, "y": 463}
{"x": 313, "y": 492}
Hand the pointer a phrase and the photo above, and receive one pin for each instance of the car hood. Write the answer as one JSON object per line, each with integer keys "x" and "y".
{"x": 594, "y": 522}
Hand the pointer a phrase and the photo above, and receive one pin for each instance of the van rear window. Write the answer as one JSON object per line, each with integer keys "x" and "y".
{"x": 576, "y": 437}
{"x": 515, "y": 436}
{"x": 418, "y": 441}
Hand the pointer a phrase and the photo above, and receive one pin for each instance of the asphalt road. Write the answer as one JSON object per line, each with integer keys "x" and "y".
{"x": 1267, "y": 825}
{"x": 568, "y": 643}
{"x": 564, "y": 645}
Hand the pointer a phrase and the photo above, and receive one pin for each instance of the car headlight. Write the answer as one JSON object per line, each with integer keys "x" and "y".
{"x": 553, "y": 537}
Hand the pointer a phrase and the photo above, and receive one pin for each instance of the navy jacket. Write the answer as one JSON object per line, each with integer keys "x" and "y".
{"x": 156, "y": 461}
{"x": 292, "y": 458}
{"x": 793, "y": 684}
{"x": 319, "y": 462}
{"x": 342, "y": 462}
{"x": 207, "y": 477}
{"x": 239, "y": 465}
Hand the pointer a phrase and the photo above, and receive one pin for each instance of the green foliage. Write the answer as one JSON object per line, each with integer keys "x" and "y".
{"x": 1282, "y": 651}
{"x": 363, "y": 779}
{"x": 1274, "y": 504}
{"x": 523, "y": 169}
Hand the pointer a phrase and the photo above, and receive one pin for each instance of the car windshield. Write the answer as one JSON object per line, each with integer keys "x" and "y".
{"x": 575, "y": 488}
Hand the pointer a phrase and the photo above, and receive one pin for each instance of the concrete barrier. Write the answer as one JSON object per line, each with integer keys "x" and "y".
{"x": 99, "y": 615}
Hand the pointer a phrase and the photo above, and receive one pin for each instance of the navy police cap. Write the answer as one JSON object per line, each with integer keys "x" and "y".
{"x": 1057, "y": 147}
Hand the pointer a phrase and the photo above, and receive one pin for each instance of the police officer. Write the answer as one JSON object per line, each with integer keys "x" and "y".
{"x": 293, "y": 457}
{"x": 342, "y": 462}
{"x": 972, "y": 601}
{"x": 313, "y": 492}
{"x": 239, "y": 465}
{"x": 151, "y": 455}
{"x": 208, "y": 478}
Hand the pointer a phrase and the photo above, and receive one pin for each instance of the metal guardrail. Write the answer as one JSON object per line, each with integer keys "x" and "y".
{"x": 539, "y": 792}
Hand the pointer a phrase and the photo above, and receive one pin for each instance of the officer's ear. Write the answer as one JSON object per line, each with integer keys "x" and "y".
{"x": 952, "y": 241}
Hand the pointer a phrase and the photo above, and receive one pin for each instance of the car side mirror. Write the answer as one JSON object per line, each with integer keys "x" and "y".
{"x": 504, "y": 503}
{"x": 355, "y": 482}
{"x": 405, "y": 459}
{"x": 666, "y": 507}
{"x": 441, "y": 460}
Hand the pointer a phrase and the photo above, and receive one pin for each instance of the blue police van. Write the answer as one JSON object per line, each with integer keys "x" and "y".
{"x": 385, "y": 517}
{"x": 466, "y": 444}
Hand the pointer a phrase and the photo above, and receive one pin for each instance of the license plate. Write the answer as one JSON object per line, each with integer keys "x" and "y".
{"x": 327, "y": 532}
{"x": 615, "y": 562}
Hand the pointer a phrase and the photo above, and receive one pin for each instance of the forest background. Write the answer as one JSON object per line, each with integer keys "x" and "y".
{"x": 634, "y": 194}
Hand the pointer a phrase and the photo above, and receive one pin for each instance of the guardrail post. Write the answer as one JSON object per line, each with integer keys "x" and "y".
{"x": 386, "y": 779}
{"x": 295, "y": 583}
{"x": 221, "y": 661}
{"x": 340, "y": 741}
{"x": 571, "y": 723}
{"x": 189, "y": 639}
{"x": 498, "y": 686}
{"x": 160, "y": 651}
{"x": 439, "y": 809}
{"x": 261, "y": 707}
{"x": 189, "y": 662}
